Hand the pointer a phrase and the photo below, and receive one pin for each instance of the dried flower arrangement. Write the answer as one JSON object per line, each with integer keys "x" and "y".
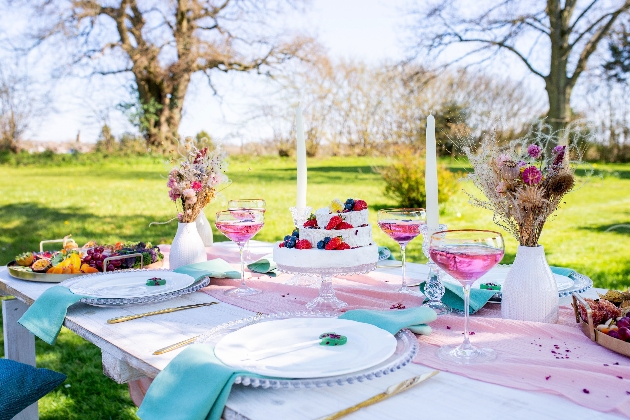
{"x": 522, "y": 184}
{"x": 192, "y": 184}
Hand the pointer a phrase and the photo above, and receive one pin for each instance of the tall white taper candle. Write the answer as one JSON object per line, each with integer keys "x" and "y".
{"x": 430, "y": 177}
{"x": 301, "y": 159}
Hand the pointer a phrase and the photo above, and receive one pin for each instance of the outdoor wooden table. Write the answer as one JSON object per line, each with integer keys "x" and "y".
{"x": 127, "y": 355}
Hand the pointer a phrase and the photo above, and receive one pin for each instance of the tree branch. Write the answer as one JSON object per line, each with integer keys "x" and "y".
{"x": 591, "y": 45}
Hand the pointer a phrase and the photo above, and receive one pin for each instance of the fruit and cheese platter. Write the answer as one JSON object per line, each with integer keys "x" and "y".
{"x": 605, "y": 320}
{"x": 73, "y": 261}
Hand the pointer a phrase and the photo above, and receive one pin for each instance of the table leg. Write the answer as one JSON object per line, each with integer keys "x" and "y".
{"x": 19, "y": 345}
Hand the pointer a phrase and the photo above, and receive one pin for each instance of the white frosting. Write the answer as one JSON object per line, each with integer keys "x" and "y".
{"x": 355, "y": 237}
{"x": 319, "y": 258}
{"x": 355, "y": 218}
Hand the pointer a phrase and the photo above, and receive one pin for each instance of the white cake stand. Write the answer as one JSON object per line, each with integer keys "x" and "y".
{"x": 327, "y": 301}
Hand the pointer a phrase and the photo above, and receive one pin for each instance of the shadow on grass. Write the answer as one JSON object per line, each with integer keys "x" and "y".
{"x": 26, "y": 224}
{"x": 614, "y": 228}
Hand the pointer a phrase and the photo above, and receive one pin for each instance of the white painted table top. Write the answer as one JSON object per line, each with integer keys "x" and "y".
{"x": 446, "y": 396}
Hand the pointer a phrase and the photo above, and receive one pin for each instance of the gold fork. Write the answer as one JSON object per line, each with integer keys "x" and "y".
{"x": 185, "y": 342}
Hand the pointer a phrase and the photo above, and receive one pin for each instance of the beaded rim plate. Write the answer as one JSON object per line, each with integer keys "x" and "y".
{"x": 136, "y": 300}
{"x": 406, "y": 349}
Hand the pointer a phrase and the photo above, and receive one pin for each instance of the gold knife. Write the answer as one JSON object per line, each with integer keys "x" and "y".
{"x": 161, "y": 311}
{"x": 390, "y": 392}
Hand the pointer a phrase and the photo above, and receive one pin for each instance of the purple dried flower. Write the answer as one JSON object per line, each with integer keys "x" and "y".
{"x": 531, "y": 175}
{"x": 559, "y": 152}
{"x": 534, "y": 151}
{"x": 521, "y": 164}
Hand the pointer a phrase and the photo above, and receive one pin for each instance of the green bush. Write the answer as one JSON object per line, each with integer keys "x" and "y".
{"x": 404, "y": 180}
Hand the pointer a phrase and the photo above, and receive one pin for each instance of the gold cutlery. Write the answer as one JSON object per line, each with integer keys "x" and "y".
{"x": 390, "y": 392}
{"x": 184, "y": 342}
{"x": 161, "y": 311}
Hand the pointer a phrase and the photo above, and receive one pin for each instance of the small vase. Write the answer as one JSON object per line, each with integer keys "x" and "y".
{"x": 187, "y": 247}
{"x": 530, "y": 292}
{"x": 204, "y": 229}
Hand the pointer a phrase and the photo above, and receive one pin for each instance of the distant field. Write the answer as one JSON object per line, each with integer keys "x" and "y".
{"x": 115, "y": 199}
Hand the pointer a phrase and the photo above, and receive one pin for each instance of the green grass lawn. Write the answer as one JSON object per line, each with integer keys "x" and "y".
{"x": 115, "y": 199}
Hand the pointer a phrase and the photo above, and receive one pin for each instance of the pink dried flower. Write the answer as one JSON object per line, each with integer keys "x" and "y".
{"x": 171, "y": 183}
{"x": 534, "y": 151}
{"x": 196, "y": 186}
{"x": 531, "y": 175}
{"x": 502, "y": 158}
{"x": 173, "y": 194}
{"x": 559, "y": 152}
{"x": 189, "y": 192}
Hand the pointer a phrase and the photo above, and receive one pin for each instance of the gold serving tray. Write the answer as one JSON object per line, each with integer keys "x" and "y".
{"x": 55, "y": 278}
{"x": 611, "y": 343}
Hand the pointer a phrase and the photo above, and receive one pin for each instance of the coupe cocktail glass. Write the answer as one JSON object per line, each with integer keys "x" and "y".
{"x": 402, "y": 225}
{"x": 466, "y": 255}
{"x": 240, "y": 226}
{"x": 247, "y": 204}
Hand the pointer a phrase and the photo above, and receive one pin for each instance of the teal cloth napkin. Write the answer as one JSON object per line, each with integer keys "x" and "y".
{"x": 195, "y": 385}
{"x": 454, "y": 296}
{"x": 45, "y": 316}
{"x": 385, "y": 254}
{"x": 563, "y": 271}
{"x": 265, "y": 265}
{"x": 216, "y": 268}
{"x": 393, "y": 321}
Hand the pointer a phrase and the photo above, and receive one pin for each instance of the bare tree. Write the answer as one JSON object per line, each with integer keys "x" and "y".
{"x": 15, "y": 109}
{"x": 568, "y": 33}
{"x": 162, "y": 44}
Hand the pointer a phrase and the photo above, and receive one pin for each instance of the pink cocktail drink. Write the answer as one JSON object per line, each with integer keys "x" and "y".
{"x": 402, "y": 231}
{"x": 466, "y": 263}
{"x": 239, "y": 231}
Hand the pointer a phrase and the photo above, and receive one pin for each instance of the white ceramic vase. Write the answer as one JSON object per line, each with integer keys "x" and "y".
{"x": 204, "y": 229}
{"x": 187, "y": 247}
{"x": 530, "y": 292}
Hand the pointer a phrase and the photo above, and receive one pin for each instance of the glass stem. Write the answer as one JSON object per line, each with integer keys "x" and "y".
{"x": 466, "y": 344}
{"x": 240, "y": 249}
{"x": 404, "y": 265}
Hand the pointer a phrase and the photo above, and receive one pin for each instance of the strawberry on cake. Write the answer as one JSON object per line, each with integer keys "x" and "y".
{"x": 339, "y": 227}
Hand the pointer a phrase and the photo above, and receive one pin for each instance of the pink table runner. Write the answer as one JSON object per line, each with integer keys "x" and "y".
{"x": 554, "y": 358}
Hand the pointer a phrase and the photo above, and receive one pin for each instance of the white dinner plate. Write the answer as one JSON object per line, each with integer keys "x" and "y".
{"x": 130, "y": 284}
{"x": 498, "y": 274}
{"x": 367, "y": 346}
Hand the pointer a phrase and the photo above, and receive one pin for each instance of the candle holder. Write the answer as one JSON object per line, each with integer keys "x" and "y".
{"x": 433, "y": 288}
{"x": 301, "y": 215}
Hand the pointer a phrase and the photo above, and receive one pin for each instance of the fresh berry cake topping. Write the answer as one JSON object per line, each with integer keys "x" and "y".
{"x": 303, "y": 244}
{"x": 290, "y": 241}
{"x": 343, "y": 225}
{"x": 322, "y": 244}
{"x": 311, "y": 222}
{"x": 349, "y": 204}
{"x": 342, "y": 246}
{"x": 336, "y": 206}
{"x": 333, "y": 222}
{"x": 359, "y": 205}
{"x": 334, "y": 243}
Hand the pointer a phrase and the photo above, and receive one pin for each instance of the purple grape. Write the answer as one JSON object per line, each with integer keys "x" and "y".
{"x": 99, "y": 264}
{"x": 97, "y": 256}
{"x": 90, "y": 252}
{"x": 623, "y": 323}
{"x": 624, "y": 333}
{"x": 110, "y": 267}
{"x": 614, "y": 334}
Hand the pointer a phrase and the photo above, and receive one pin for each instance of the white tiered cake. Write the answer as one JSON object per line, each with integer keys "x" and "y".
{"x": 335, "y": 237}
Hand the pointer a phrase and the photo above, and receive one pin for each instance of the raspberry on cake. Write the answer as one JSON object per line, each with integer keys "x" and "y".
{"x": 311, "y": 222}
{"x": 303, "y": 244}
